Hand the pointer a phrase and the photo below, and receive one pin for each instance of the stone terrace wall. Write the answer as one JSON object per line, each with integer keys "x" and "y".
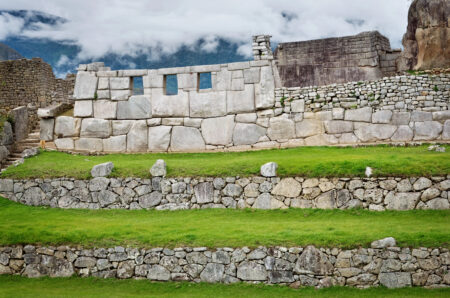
{"x": 256, "y": 192}
{"x": 395, "y": 109}
{"x": 31, "y": 83}
{"x": 366, "y": 56}
{"x": 392, "y": 267}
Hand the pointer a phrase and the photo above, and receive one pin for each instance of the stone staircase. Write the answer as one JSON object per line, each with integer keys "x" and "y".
{"x": 32, "y": 141}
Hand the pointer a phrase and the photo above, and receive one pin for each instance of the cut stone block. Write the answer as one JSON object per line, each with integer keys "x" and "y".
{"x": 186, "y": 139}
{"x": 383, "y": 116}
{"x": 95, "y": 128}
{"x": 153, "y": 80}
{"x": 403, "y": 134}
{"x": 428, "y": 130}
{"x": 120, "y": 83}
{"x": 338, "y": 126}
{"x": 64, "y": 144}
{"x": 218, "y": 131}
{"x": 187, "y": 80}
{"x": 137, "y": 137}
{"x": 264, "y": 91}
{"x": 169, "y": 105}
{"x": 66, "y": 126}
{"x": 251, "y": 75}
{"x": 159, "y": 138}
{"x": 121, "y": 127}
{"x": 137, "y": 107}
{"x": 281, "y": 129}
{"x": 83, "y": 108}
{"x": 103, "y": 83}
{"x": 222, "y": 80}
{"x": 89, "y": 144}
{"x": 120, "y": 94}
{"x": 85, "y": 85}
{"x": 247, "y": 134}
{"x": 105, "y": 109}
{"x": 298, "y": 106}
{"x": 207, "y": 104}
{"x": 308, "y": 127}
{"x": 241, "y": 101}
{"x": 375, "y": 132}
{"x": 115, "y": 144}
{"x": 361, "y": 115}
{"x": 46, "y": 129}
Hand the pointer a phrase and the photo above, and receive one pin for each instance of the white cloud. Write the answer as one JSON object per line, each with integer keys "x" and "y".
{"x": 130, "y": 27}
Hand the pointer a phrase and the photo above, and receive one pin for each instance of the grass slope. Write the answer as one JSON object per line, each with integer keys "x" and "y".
{"x": 302, "y": 161}
{"x": 219, "y": 228}
{"x": 15, "y": 286}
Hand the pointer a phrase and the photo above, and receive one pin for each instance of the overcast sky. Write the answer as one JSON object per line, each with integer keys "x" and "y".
{"x": 124, "y": 27}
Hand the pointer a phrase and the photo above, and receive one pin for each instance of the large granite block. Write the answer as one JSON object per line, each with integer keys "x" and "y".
{"x": 85, "y": 85}
{"x": 169, "y": 105}
{"x": 186, "y": 139}
{"x": 241, "y": 101}
{"x": 137, "y": 107}
{"x": 207, "y": 104}
{"x": 218, "y": 131}
{"x": 95, "y": 128}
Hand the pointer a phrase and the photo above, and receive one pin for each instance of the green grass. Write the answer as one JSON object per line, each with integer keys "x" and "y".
{"x": 303, "y": 161}
{"x": 21, "y": 224}
{"x": 15, "y": 286}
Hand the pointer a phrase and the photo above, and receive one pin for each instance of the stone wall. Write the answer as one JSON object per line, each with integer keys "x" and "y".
{"x": 256, "y": 192}
{"x": 6, "y": 140}
{"x": 393, "y": 267}
{"x": 366, "y": 56}
{"x": 31, "y": 83}
{"x": 395, "y": 109}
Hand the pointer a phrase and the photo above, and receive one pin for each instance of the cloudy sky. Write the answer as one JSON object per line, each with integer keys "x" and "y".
{"x": 102, "y": 26}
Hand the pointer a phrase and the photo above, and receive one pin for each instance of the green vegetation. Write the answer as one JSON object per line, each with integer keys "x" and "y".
{"x": 16, "y": 286}
{"x": 302, "y": 161}
{"x": 416, "y": 72}
{"x": 436, "y": 89}
{"x": 282, "y": 100}
{"x": 220, "y": 227}
{"x": 3, "y": 119}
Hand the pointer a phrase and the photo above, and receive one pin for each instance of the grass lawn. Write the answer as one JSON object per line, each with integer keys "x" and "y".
{"x": 15, "y": 286}
{"x": 302, "y": 161}
{"x": 20, "y": 224}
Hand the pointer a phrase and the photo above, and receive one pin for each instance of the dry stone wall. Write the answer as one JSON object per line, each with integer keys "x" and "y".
{"x": 158, "y": 193}
{"x": 31, "y": 83}
{"x": 393, "y": 267}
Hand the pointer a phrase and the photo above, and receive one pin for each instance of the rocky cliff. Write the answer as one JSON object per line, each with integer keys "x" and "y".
{"x": 427, "y": 37}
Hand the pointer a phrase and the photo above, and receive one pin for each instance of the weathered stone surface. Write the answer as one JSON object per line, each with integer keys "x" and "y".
{"x": 158, "y": 272}
{"x": 337, "y": 126}
{"x": 266, "y": 201}
{"x": 247, "y": 134}
{"x": 169, "y": 105}
{"x": 212, "y": 273}
{"x": 150, "y": 200}
{"x": 446, "y": 130}
{"x": 264, "y": 91}
{"x": 427, "y": 130}
{"x": 287, "y": 187}
{"x": 115, "y": 144}
{"x": 120, "y": 83}
{"x": 66, "y": 126}
{"x": 402, "y": 201}
{"x": 218, "y": 131}
{"x": 326, "y": 200}
{"x": 208, "y": 104}
{"x": 241, "y": 101}
{"x": 89, "y": 144}
{"x": 375, "y": 132}
{"x": 83, "y": 108}
{"x": 383, "y": 243}
{"x": 251, "y": 271}
{"x": 20, "y": 116}
{"x": 106, "y": 198}
{"x": 121, "y": 127}
{"x": 309, "y": 127}
{"x": 186, "y": 139}
{"x": 422, "y": 183}
{"x": 269, "y": 169}
{"x": 64, "y": 144}
{"x": 85, "y": 85}
{"x": 95, "y": 128}
{"x": 102, "y": 170}
{"x": 159, "y": 138}
{"x": 360, "y": 115}
{"x": 204, "y": 192}
{"x": 46, "y": 129}
{"x": 403, "y": 134}
{"x": 137, "y": 137}
{"x": 313, "y": 261}
{"x": 298, "y": 106}
{"x": 105, "y": 109}
{"x": 281, "y": 129}
{"x": 120, "y": 94}
{"x": 136, "y": 107}
{"x": 158, "y": 169}
{"x": 382, "y": 117}
{"x": 395, "y": 279}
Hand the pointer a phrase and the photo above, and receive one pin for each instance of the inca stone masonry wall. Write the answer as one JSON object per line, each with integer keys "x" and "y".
{"x": 392, "y": 267}
{"x": 232, "y": 192}
{"x": 366, "y": 56}
{"x": 244, "y": 110}
{"x": 31, "y": 83}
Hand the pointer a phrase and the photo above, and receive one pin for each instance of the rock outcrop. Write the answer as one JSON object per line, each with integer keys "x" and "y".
{"x": 427, "y": 37}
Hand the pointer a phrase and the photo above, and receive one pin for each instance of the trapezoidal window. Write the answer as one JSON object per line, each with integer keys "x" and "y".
{"x": 138, "y": 85}
{"x": 170, "y": 84}
{"x": 204, "y": 81}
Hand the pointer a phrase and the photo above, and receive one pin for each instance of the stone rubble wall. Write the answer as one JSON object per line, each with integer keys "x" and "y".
{"x": 392, "y": 267}
{"x": 365, "y": 56}
{"x": 258, "y": 115}
{"x": 158, "y": 193}
{"x": 31, "y": 83}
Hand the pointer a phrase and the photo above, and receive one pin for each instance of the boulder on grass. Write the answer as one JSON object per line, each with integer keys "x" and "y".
{"x": 102, "y": 170}
{"x": 159, "y": 168}
{"x": 269, "y": 169}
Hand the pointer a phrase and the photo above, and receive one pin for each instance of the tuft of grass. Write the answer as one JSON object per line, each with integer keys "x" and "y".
{"x": 301, "y": 161}
{"x": 22, "y": 224}
{"x": 16, "y": 286}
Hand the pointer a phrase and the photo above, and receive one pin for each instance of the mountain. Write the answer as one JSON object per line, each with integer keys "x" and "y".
{"x": 7, "y": 53}
{"x": 54, "y": 51}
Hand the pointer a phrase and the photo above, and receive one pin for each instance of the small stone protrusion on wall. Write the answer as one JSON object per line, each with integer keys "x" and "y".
{"x": 261, "y": 47}
{"x": 159, "y": 168}
{"x": 102, "y": 170}
{"x": 269, "y": 169}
